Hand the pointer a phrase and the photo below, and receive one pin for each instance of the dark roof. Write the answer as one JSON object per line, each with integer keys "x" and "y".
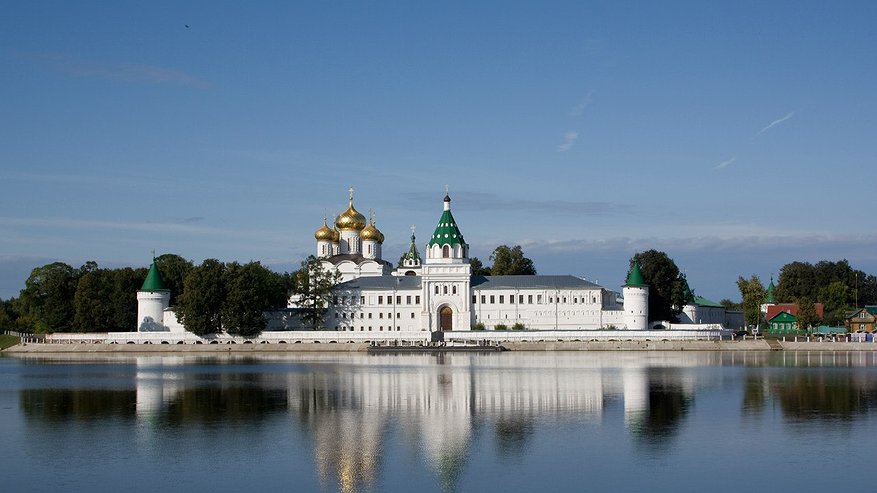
{"x": 356, "y": 258}
{"x": 382, "y": 282}
{"x": 532, "y": 282}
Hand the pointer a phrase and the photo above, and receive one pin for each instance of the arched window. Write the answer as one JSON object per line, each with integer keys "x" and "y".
{"x": 454, "y": 289}
{"x": 446, "y": 251}
{"x": 445, "y": 289}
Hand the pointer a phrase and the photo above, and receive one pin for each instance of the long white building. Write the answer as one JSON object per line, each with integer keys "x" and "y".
{"x": 439, "y": 293}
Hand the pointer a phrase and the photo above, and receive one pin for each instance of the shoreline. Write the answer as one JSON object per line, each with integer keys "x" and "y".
{"x": 633, "y": 345}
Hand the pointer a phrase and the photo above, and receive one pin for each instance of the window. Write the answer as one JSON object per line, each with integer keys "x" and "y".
{"x": 436, "y": 289}
{"x": 389, "y": 315}
{"x": 408, "y": 300}
{"x": 398, "y": 300}
{"x": 539, "y": 299}
{"x": 520, "y": 299}
{"x": 474, "y": 299}
{"x": 417, "y": 299}
{"x": 483, "y": 297}
{"x": 501, "y": 299}
{"x": 412, "y": 314}
{"x": 380, "y": 300}
{"x": 362, "y": 300}
{"x": 530, "y": 299}
{"x": 454, "y": 289}
{"x": 381, "y": 315}
{"x": 445, "y": 289}
{"x": 446, "y": 251}
{"x": 336, "y": 314}
{"x": 492, "y": 299}
{"x": 369, "y": 316}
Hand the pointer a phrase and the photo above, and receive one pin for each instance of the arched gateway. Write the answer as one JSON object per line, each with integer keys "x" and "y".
{"x": 446, "y": 318}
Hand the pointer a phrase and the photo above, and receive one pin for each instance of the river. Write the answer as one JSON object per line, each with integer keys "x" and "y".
{"x": 515, "y": 421}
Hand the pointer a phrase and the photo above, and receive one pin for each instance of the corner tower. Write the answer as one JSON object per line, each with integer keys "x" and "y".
{"x": 152, "y": 299}
{"x": 636, "y": 300}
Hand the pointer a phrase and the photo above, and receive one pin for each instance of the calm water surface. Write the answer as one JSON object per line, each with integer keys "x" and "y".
{"x": 613, "y": 421}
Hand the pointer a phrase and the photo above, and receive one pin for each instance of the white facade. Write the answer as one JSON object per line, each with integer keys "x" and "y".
{"x": 440, "y": 293}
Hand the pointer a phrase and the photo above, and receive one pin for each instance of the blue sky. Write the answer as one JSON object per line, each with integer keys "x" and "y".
{"x": 734, "y": 136}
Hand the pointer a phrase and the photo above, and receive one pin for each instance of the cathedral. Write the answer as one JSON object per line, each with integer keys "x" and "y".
{"x": 439, "y": 293}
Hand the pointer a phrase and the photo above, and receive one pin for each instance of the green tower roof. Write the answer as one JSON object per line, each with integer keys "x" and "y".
{"x": 447, "y": 231}
{"x": 635, "y": 278}
{"x": 412, "y": 253}
{"x": 769, "y": 298}
{"x": 153, "y": 280}
{"x": 687, "y": 294}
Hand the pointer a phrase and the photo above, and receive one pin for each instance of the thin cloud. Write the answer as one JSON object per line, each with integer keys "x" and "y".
{"x": 482, "y": 201}
{"x": 726, "y": 163}
{"x": 129, "y": 72}
{"x": 578, "y": 109}
{"x": 776, "y": 122}
{"x": 568, "y": 140}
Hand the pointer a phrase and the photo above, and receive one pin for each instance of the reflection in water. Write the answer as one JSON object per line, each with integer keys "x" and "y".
{"x": 351, "y": 406}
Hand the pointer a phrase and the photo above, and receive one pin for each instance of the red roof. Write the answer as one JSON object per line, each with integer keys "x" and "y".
{"x": 774, "y": 310}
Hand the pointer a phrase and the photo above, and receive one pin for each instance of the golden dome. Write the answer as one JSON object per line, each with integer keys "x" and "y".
{"x": 336, "y": 235}
{"x": 350, "y": 219}
{"x": 324, "y": 233}
{"x": 371, "y": 233}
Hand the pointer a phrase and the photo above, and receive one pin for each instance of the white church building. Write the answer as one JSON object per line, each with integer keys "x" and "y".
{"x": 439, "y": 292}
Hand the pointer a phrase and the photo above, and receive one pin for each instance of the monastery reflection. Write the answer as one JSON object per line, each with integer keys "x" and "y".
{"x": 353, "y": 407}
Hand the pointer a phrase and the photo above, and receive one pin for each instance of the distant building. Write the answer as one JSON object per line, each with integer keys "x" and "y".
{"x": 862, "y": 320}
{"x": 782, "y": 317}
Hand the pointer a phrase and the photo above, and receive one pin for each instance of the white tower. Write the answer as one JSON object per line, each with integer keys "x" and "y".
{"x": 326, "y": 240}
{"x": 152, "y": 299}
{"x": 446, "y": 277}
{"x": 636, "y": 300}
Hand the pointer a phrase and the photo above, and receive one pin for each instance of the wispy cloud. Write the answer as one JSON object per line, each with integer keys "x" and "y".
{"x": 482, "y": 201}
{"x": 186, "y": 227}
{"x": 568, "y": 140}
{"x": 724, "y": 164}
{"x": 776, "y": 122}
{"x": 129, "y": 72}
{"x": 578, "y": 109}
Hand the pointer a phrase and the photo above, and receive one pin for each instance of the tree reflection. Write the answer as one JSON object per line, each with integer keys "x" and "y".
{"x": 513, "y": 434}
{"x": 668, "y": 405}
{"x": 77, "y": 404}
{"x": 823, "y": 395}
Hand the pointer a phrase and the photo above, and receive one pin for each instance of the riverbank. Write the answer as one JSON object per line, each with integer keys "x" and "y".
{"x": 632, "y": 345}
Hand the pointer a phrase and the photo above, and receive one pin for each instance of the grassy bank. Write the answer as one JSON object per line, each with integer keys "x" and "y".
{"x": 8, "y": 341}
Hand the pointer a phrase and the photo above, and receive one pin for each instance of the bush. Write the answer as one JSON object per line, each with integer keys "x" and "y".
{"x": 500, "y": 327}
{"x": 518, "y": 326}
{"x": 478, "y": 326}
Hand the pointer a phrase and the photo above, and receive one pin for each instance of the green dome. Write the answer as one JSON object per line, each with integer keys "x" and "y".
{"x": 153, "y": 280}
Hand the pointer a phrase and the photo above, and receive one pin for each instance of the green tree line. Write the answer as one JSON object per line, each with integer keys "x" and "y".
{"x": 208, "y": 297}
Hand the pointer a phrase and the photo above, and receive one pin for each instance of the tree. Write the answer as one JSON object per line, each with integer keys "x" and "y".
{"x": 752, "y": 293}
{"x": 250, "y": 290}
{"x": 93, "y": 309}
{"x": 666, "y": 284}
{"x": 806, "y": 318}
{"x": 478, "y": 269}
{"x": 314, "y": 286}
{"x": 173, "y": 270}
{"x": 731, "y": 305}
{"x": 510, "y": 262}
{"x": 835, "y": 298}
{"x": 200, "y": 306}
{"x": 9, "y": 316}
{"x": 46, "y": 302}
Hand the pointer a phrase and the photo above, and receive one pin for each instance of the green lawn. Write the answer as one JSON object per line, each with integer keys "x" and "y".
{"x": 8, "y": 341}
